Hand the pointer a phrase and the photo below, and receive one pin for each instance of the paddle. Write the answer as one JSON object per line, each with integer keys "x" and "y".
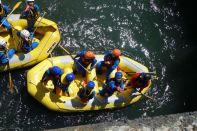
{"x": 74, "y": 58}
{"x": 11, "y": 85}
{"x": 38, "y": 23}
{"x": 139, "y": 93}
{"x": 14, "y": 8}
{"x": 51, "y": 49}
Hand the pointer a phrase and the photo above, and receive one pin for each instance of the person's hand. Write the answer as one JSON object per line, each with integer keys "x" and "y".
{"x": 135, "y": 94}
{"x": 107, "y": 62}
{"x": 27, "y": 8}
{"x": 119, "y": 89}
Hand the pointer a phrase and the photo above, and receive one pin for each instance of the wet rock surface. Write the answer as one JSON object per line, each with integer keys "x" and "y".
{"x": 175, "y": 122}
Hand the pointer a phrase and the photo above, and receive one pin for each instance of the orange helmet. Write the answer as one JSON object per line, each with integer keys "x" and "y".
{"x": 116, "y": 52}
{"x": 89, "y": 55}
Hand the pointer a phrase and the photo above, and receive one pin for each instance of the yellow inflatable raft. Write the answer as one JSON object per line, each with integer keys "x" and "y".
{"x": 47, "y": 35}
{"x": 43, "y": 92}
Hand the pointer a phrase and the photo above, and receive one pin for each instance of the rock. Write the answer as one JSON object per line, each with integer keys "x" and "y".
{"x": 175, "y": 122}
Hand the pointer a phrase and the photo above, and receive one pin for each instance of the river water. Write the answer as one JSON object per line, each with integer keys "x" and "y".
{"x": 155, "y": 33}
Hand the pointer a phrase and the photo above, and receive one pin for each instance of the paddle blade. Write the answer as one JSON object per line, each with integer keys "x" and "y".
{"x": 17, "y": 5}
{"x": 11, "y": 85}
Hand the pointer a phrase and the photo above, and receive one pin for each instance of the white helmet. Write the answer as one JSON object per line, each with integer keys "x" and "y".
{"x": 25, "y": 34}
{"x": 2, "y": 43}
{"x": 29, "y": 1}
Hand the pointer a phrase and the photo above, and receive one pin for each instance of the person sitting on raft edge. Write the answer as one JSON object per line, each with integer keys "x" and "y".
{"x": 111, "y": 61}
{"x": 54, "y": 73}
{"x": 139, "y": 81}
{"x": 3, "y": 14}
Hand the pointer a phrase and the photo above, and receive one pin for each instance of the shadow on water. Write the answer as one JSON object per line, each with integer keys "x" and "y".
{"x": 21, "y": 111}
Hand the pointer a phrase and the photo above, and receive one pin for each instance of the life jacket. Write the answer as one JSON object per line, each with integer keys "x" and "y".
{"x": 111, "y": 60}
{"x": 117, "y": 83}
{"x": 33, "y": 15}
{"x": 22, "y": 42}
{"x": 61, "y": 92}
{"x": 2, "y": 11}
{"x": 2, "y": 54}
{"x": 85, "y": 94}
{"x": 109, "y": 88}
{"x": 135, "y": 83}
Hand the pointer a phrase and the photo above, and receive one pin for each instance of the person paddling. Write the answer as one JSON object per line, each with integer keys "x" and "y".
{"x": 139, "y": 81}
{"x": 31, "y": 13}
{"x": 85, "y": 58}
{"x": 3, "y": 14}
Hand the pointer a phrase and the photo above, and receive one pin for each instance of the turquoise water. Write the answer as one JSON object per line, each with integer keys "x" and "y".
{"x": 151, "y": 32}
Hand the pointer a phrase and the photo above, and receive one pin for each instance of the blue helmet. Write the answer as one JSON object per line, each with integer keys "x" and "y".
{"x": 118, "y": 75}
{"x": 90, "y": 85}
{"x": 56, "y": 70}
{"x": 70, "y": 77}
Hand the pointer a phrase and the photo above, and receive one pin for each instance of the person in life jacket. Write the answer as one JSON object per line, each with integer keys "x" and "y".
{"x": 139, "y": 81}
{"x": 5, "y": 53}
{"x": 54, "y": 73}
{"x": 26, "y": 41}
{"x": 85, "y": 58}
{"x": 65, "y": 88}
{"x": 111, "y": 61}
{"x": 3, "y": 14}
{"x": 87, "y": 91}
{"x": 31, "y": 13}
{"x": 115, "y": 84}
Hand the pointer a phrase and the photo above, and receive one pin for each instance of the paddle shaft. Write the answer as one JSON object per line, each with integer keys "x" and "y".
{"x": 74, "y": 59}
{"x": 14, "y": 8}
{"x": 152, "y": 73}
{"x": 39, "y": 23}
{"x": 11, "y": 85}
{"x": 149, "y": 97}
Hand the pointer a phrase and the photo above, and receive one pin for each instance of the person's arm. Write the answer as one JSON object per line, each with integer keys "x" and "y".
{"x": 93, "y": 64}
{"x": 46, "y": 75}
{"x": 23, "y": 15}
{"x": 78, "y": 55}
{"x": 115, "y": 65}
{"x": 6, "y": 9}
{"x": 37, "y": 9}
{"x": 18, "y": 34}
{"x": 81, "y": 91}
{"x": 92, "y": 95}
{"x": 121, "y": 87}
{"x": 106, "y": 55}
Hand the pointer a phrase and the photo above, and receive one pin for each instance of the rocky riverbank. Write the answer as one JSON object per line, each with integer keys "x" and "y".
{"x": 175, "y": 122}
